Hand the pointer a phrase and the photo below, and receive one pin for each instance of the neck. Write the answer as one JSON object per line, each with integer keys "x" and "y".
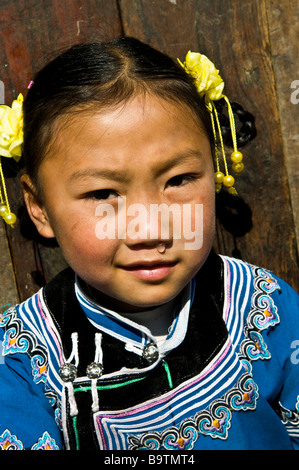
{"x": 157, "y": 319}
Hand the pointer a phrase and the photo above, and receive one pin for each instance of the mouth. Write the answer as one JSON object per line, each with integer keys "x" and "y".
{"x": 151, "y": 270}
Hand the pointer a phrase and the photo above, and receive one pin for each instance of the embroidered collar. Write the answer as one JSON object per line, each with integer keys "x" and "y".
{"x": 134, "y": 335}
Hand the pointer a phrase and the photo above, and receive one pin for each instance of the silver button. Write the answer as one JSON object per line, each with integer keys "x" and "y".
{"x": 150, "y": 352}
{"x": 94, "y": 370}
{"x": 68, "y": 372}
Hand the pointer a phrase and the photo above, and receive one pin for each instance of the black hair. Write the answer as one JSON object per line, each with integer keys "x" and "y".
{"x": 101, "y": 75}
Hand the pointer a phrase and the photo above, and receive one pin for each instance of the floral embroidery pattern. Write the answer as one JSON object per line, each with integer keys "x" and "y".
{"x": 173, "y": 439}
{"x": 9, "y": 442}
{"x": 45, "y": 443}
{"x": 216, "y": 421}
{"x": 262, "y": 315}
{"x": 18, "y": 340}
{"x": 290, "y": 418}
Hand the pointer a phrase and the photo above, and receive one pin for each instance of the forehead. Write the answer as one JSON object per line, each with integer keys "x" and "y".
{"x": 144, "y": 125}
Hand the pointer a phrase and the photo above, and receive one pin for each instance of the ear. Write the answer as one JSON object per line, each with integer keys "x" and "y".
{"x": 36, "y": 208}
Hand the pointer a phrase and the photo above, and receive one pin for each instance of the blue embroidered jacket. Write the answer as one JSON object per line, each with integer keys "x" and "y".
{"x": 227, "y": 377}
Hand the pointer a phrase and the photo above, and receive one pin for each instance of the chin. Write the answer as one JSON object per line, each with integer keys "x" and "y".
{"x": 153, "y": 301}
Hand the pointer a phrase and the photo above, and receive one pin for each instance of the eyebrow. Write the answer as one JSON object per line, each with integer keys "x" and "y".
{"x": 123, "y": 176}
{"x": 115, "y": 175}
{"x": 188, "y": 155}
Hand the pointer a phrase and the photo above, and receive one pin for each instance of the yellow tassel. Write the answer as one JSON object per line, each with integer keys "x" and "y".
{"x": 11, "y": 139}
{"x": 209, "y": 85}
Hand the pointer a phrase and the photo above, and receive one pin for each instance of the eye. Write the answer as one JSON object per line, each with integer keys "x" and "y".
{"x": 180, "y": 180}
{"x": 102, "y": 194}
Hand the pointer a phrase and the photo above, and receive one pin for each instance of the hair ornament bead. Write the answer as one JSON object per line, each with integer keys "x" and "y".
{"x": 11, "y": 140}
{"x": 210, "y": 85}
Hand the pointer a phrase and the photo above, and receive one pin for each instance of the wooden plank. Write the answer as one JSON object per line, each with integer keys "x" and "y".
{"x": 283, "y": 23}
{"x": 235, "y": 36}
{"x": 31, "y": 33}
{"x": 34, "y": 31}
{"x": 8, "y": 288}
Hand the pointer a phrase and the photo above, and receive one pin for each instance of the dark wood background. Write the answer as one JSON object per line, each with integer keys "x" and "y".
{"x": 254, "y": 43}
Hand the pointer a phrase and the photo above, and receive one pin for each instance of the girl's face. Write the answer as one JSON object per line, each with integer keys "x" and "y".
{"x": 104, "y": 178}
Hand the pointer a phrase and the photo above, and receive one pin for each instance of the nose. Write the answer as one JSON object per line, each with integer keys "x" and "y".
{"x": 149, "y": 224}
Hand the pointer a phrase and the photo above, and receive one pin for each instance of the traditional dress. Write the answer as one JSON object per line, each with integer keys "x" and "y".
{"x": 226, "y": 376}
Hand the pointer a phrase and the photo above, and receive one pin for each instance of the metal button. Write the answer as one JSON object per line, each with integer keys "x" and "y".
{"x": 150, "y": 352}
{"x": 68, "y": 372}
{"x": 94, "y": 370}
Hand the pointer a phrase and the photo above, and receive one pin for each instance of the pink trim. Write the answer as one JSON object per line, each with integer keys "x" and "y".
{"x": 164, "y": 399}
{"x": 228, "y": 290}
{"x": 50, "y": 330}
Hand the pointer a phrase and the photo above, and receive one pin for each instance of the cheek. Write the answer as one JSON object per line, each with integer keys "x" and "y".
{"x": 79, "y": 243}
{"x": 209, "y": 222}
{"x": 203, "y": 211}
{"x": 199, "y": 230}
{"x": 90, "y": 258}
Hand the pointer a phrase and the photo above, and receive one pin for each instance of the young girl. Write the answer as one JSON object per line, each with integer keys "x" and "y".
{"x": 149, "y": 340}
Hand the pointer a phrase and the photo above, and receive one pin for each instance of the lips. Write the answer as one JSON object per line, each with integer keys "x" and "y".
{"x": 151, "y": 270}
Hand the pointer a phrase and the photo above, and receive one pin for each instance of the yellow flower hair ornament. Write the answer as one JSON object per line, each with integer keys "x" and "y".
{"x": 210, "y": 85}
{"x": 11, "y": 139}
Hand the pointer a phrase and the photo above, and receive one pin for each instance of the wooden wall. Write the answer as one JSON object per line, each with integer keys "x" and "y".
{"x": 255, "y": 45}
